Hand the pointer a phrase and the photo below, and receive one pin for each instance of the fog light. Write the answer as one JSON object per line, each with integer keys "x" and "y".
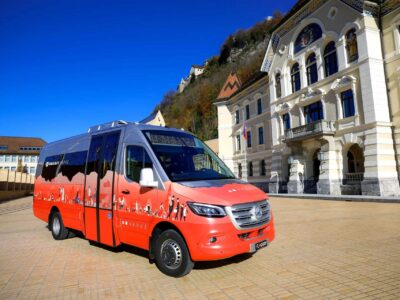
{"x": 212, "y": 239}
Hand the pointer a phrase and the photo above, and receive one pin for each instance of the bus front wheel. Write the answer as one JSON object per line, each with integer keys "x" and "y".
{"x": 172, "y": 255}
{"x": 58, "y": 230}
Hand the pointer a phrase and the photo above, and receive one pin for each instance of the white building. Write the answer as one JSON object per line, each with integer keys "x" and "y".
{"x": 20, "y": 153}
{"x": 195, "y": 71}
{"x": 156, "y": 119}
{"x": 244, "y": 107}
{"x": 330, "y": 116}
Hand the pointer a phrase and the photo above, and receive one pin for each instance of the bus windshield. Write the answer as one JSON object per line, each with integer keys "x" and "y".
{"x": 185, "y": 158}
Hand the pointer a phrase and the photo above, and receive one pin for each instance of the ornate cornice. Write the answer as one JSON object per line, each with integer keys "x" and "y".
{"x": 367, "y": 8}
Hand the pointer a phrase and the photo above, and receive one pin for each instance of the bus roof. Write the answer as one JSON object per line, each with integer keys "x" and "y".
{"x": 81, "y": 141}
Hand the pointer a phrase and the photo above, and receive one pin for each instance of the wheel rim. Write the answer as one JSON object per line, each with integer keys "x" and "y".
{"x": 171, "y": 254}
{"x": 56, "y": 226}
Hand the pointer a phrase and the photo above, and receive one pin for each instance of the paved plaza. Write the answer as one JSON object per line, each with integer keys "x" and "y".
{"x": 322, "y": 250}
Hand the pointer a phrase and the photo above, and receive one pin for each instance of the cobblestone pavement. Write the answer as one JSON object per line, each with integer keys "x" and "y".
{"x": 323, "y": 250}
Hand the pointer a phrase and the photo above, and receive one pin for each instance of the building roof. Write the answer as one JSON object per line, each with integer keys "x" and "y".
{"x": 198, "y": 66}
{"x": 253, "y": 79}
{"x": 248, "y": 83}
{"x": 301, "y": 3}
{"x": 20, "y": 145}
{"x": 231, "y": 85}
{"x": 149, "y": 118}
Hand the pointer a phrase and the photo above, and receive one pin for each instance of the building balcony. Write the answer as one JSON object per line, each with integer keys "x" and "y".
{"x": 311, "y": 130}
{"x": 353, "y": 178}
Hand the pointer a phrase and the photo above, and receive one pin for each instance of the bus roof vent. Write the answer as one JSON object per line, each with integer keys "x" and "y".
{"x": 107, "y": 125}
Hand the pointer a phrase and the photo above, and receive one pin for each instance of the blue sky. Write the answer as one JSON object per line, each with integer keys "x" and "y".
{"x": 66, "y": 65}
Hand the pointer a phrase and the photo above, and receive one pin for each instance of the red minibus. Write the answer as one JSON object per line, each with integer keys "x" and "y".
{"x": 156, "y": 188}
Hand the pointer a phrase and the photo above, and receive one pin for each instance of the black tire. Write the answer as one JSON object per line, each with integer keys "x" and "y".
{"x": 172, "y": 255}
{"x": 58, "y": 230}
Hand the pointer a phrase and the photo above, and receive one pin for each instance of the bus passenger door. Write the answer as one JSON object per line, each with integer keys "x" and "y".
{"x": 99, "y": 187}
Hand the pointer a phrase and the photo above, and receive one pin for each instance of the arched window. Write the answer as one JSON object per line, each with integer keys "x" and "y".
{"x": 330, "y": 58}
{"x": 278, "y": 87}
{"x": 312, "y": 72}
{"x": 307, "y": 36}
{"x": 295, "y": 77}
{"x": 351, "y": 45}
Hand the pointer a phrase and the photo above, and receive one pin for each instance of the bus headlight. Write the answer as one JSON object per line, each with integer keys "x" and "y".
{"x": 207, "y": 210}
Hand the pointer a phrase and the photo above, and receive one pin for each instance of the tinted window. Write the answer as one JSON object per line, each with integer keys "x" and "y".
{"x": 185, "y": 158}
{"x": 73, "y": 163}
{"x": 136, "y": 159}
{"x": 109, "y": 153}
{"x": 50, "y": 166}
{"x": 94, "y": 154}
{"x": 105, "y": 157}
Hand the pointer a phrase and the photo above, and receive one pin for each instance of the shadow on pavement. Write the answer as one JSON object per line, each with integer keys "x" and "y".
{"x": 204, "y": 265}
{"x": 201, "y": 265}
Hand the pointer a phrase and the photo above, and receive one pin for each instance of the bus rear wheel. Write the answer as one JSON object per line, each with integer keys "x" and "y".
{"x": 172, "y": 255}
{"x": 58, "y": 230}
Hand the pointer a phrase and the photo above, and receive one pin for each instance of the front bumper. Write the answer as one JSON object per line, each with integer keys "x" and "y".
{"x": 229, "y": 240}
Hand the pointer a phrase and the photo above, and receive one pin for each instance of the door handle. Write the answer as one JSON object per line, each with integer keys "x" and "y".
{"x": 126, "y": 192}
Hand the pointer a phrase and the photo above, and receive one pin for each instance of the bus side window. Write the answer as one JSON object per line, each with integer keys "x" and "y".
{"x": 73, "y": 163}
{"x": 50, "y": 166}
{"x": 136, "y": 159}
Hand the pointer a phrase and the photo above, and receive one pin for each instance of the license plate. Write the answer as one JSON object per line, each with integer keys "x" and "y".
{"x": 260, "y": 245}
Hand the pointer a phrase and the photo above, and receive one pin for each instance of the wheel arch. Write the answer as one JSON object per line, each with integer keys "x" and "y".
{"x": 158, "y": 229}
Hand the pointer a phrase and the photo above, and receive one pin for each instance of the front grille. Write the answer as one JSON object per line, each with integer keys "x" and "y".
{"x": 244, "y": 216}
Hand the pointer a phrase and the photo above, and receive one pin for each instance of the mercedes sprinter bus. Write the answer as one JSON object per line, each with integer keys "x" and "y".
{"x": 156, "y": 188}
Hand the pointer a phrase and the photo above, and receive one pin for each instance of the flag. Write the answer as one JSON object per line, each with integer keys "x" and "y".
{"x": 245, "y": 131}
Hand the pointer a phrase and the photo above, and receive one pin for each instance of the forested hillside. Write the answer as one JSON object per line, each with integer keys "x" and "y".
{"x": 241, "y": 52}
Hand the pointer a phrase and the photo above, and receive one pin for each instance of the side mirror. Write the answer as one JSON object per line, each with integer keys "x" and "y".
{"x": 147, "y": 178}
